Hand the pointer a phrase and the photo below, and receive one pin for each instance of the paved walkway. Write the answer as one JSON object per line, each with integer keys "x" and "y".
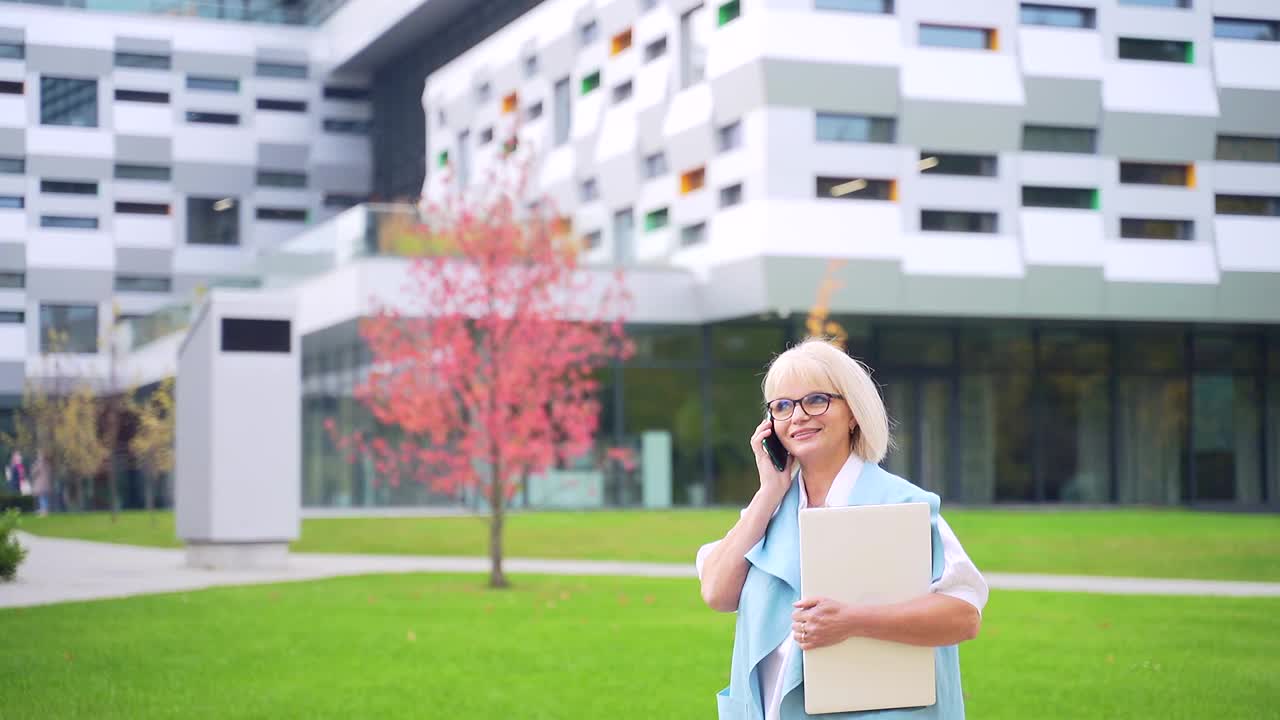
{"x": 58, "y": 570}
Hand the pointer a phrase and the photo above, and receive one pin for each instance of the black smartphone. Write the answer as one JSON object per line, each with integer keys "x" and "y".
{"x": 772, "y": 445}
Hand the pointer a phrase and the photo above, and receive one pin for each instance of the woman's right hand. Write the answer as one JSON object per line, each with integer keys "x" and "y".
{"x": 773, "y": 483}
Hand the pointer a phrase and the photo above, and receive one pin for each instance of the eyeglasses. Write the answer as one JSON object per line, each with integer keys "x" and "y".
{"x": 813, "y": 404}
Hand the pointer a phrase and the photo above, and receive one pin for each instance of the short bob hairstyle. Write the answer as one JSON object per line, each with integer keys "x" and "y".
{"x": 819, "y": 366}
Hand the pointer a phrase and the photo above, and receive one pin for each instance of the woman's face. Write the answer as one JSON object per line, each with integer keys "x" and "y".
{"x": 809, "y": 438}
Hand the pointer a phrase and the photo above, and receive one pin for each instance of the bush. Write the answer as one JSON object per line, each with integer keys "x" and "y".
{"x": 25, "y": 503}
{"x": 11, "y": 553}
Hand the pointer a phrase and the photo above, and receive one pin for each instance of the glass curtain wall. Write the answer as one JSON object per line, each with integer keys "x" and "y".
{"x": 1151, "y": 410}
{"x": 1271, "y": 443}
{"x": 1073, "y": 424}
{"x": 1226, "y": 457}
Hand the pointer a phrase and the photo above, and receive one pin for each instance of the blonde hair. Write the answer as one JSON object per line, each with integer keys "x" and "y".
{"x": 819, "y": 365}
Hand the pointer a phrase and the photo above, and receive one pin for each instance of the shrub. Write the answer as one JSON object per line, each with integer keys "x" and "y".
{"x": 25, "y": 503}
{"x": 11, "y": 553}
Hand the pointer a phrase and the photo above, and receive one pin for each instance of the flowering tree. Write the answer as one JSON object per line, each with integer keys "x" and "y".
{"x": 485, "y": 368}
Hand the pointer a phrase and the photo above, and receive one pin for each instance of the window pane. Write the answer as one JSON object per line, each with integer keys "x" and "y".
{"x": 884, "y": 7}
{"x": 1075, "y": 434}
{"x": 693, "y": 234}
{"x": 69, "y": 328}
{"x": 655, "y": 219}
{"x": 655, "y": 49}
{"x": 12, "y": 202}
{"x": 67, "y": 101}
{"x": 69, "y": 222}
{"x": 563, "y": 109}
{"x": 12, "y": 51}
{"x": 1139, "y": 350}
{"x": 12, "y": 280}
{"x": 1151, "y": 439}
{"x": 1158, "y": 50}
{"x": 1248, "y": 149}
{"x": 1074, "y": 350}
{"x": 143, "y": 283}
{"x": 957, "y": 164}
{"x": 145, "y": 61}
{"x": 1248, "y": 205}
{"x": 995, "y": 437}
{"x": 1155, "y": 174}
{"x": 655, "y": 165}
{"x": 836, "y": 127}
{"x": 731, "y": 195}
{"x": 142, "y": 172}
{"x": 694, "y": 26}
{"x": 854, "y": 188}
{"x": 1159, "y": 3}
{"x": 281, "y": 70}
{"x": 956, "y": 221}
{"x": 623, "y": 232}
{"x": 1057, "y": 16}
{"x": 142, "y": 208}
{"x": 1074, "y": 198}
{"x": 346, "y": 126}
{"x": 911, "y": 347}
{"x": 282, "y": 105}
{"x": 1241, "y": 29}
{"x": 212, "y": 118}
{"x": 334, "y": 92}
{"x": 729, "y": 136}
{"x": 1157, "y": 229}
{"x": 282, "y": 214}
{"x": 662, "y": 421}
{"x": 955, "y": 37}
{"x": 146, "y": 96}
{"x": 1042, "y": 138}
{"x": 1003, "y": 347}
{"x": 214, "y": 84}
{"x": 213, "y": 221}
{"x": 13, "y": 165}
{"x": 69, "y": 187}
{"x": 281, "y": 178}
{"x": 1225, "y": 427}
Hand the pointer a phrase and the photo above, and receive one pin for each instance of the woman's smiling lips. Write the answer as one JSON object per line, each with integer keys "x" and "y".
{"x": 805, "y": 433}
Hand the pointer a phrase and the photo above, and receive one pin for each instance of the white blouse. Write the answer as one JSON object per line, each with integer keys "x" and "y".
{"x": 960, "y": 579}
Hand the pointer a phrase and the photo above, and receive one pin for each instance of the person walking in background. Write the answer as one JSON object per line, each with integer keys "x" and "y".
{"x": 15, "y": 473}
{"x": 41, "y": 484}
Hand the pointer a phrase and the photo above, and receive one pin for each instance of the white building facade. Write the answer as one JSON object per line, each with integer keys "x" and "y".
{"x": 1055, "y": 225}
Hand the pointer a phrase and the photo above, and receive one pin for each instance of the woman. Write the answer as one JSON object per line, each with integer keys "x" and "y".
{"x": 830, "y": 418}
{"x": 41, "y": 484}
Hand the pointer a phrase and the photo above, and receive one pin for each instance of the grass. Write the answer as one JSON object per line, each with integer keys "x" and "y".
{"x": 1121, "y": 542}
{"x": 443, "y": 646}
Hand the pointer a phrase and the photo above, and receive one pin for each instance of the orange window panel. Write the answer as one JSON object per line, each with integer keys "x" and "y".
{"x": 692, "y": 180}
{"x": 620, "y": 42}
{"x": 510, "y": 103}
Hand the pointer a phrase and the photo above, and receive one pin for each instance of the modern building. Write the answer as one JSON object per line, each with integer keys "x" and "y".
{"x": 1054, "y": 228}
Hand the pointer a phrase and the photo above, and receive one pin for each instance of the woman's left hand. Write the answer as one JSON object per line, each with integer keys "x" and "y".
{"x": 819, "y": 622}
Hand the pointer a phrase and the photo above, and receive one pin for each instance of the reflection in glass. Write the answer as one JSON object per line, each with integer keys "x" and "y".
{"x": 663, "y": 419}
{"x": 995, "y": 450}
{"x": 1151, "y": 439}
{"x": 736, "y": 409}
{"x": 1225, "y": 427}
{"x": 1076, "y": 438}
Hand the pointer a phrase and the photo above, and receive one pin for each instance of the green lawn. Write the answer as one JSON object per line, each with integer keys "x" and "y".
{"x": 1150, "y": 543}
{"x": 443, "y": 646}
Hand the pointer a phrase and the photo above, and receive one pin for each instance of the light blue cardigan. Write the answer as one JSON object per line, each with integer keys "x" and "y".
{"x": 773, "y": 585}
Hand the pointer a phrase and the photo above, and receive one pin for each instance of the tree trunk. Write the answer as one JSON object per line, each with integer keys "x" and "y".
{"x": 149, "y": 494}
{"x": 497, "y": 498}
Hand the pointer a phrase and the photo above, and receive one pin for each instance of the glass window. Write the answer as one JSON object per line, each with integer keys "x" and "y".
{"x": 342, "y": 200}
{"x": 282, "y": 214}
{"x": 589, "y": 32}
{"x": 1248, "y": 149}
{"x": 334, "y": 92}
{"x": 1178, "y": 51}
{"x": 12, "y": 51}
{"x": 564, "y": 108}
{"x": 663, "y": 421}
{"x": 623, "y": 236}
{"x": 12, "y": 202}
{"x": 1043, "y": 138}
{"x": 592, "y": 240}
{"x": 486, "y": 136}
{"x": 920, "y": 408}
{"x": 1248, "y": 205}
{"x": 1157, "y": 229}
{"x": 12, "y": 280}
{"x": 933, "y": 163}
{"x": 1006, "y": 346}
{"x": 464, "y": 158}
{"x": 212, "y": 118}
{"x": 622, "y": 92}
{"x": 68, "y": 101}
{"x": 949, "y": 36}
{"x": 1246, "y": 29}
{"x": 142, "y": 172}
{"x": 666, "y": 345}
{"x": 143, "y": 283}
{"x": 737, "y": 407}
{"x": 693, "y": 46}
{"x": 915, "y": 347}
{"x": 13, "y": 165}
{"x": 142, "y": 208}
{"x": 1150, "y": 438}
{"x": 883, "y": 7}
{"x": 731, "y": 195}
{"x": 1155, "y": 174}
{"x": 728, "y": 12}
{"x": 995, "y": 437}
{"x": 282, "y": 105}
{"x": 12, "y": 317}
{"x": 1159, "y": 3}
{"x": 847, "y": 188}
{"x": 1058, "y": 16}
{"x": 655, "y": 219}
{"x": 531, "y": 66}
{"x": 281, "y": 70}
{"x": 12, "y": 87}
{"x": 1075, "y": 436}
{"x": 1051, "y": 197}
{"x": 346, "y": 126}
{"x": 957, "y": 221}
{"x": 482, "y": 92}
{"x": 748, "y": 344}
{"x": 1226, "y": 425}
{"x": 69, "y": 328}
{"x": 1150, "y": 350}
{"x": 840, "y": 127}
{"x": 146, "y": 96}
{"x": 69, "y": 187}
{"x": 693, "y": 234}
{"x": 655, "y": 165}
{"x": 213, "y": 221}
{"x": 282, "y": 178}
{"x": 213, "y": 84}
{"x": 729, "y": 137}
{"x": 655, "y": 49}
{"x": 143, "y": 61}
{"x": 534, "y": 111}
{"x": 69, "y": 222}
{"x": 590, "y": 82}
{"x": 1074, "y": 350}
{"x": 588, "y": 191}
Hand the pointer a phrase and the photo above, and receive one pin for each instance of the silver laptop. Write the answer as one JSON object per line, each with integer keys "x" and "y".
{"x": 867, "y": 554}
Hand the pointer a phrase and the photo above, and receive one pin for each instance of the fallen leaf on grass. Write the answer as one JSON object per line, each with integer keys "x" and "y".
{"x": 648, "y": 599}
{"x": 69, "y": 656}
{"x": 1111, "y": 659}
{"x": 412, "y": 636}
{"x": 623, "y": 599}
